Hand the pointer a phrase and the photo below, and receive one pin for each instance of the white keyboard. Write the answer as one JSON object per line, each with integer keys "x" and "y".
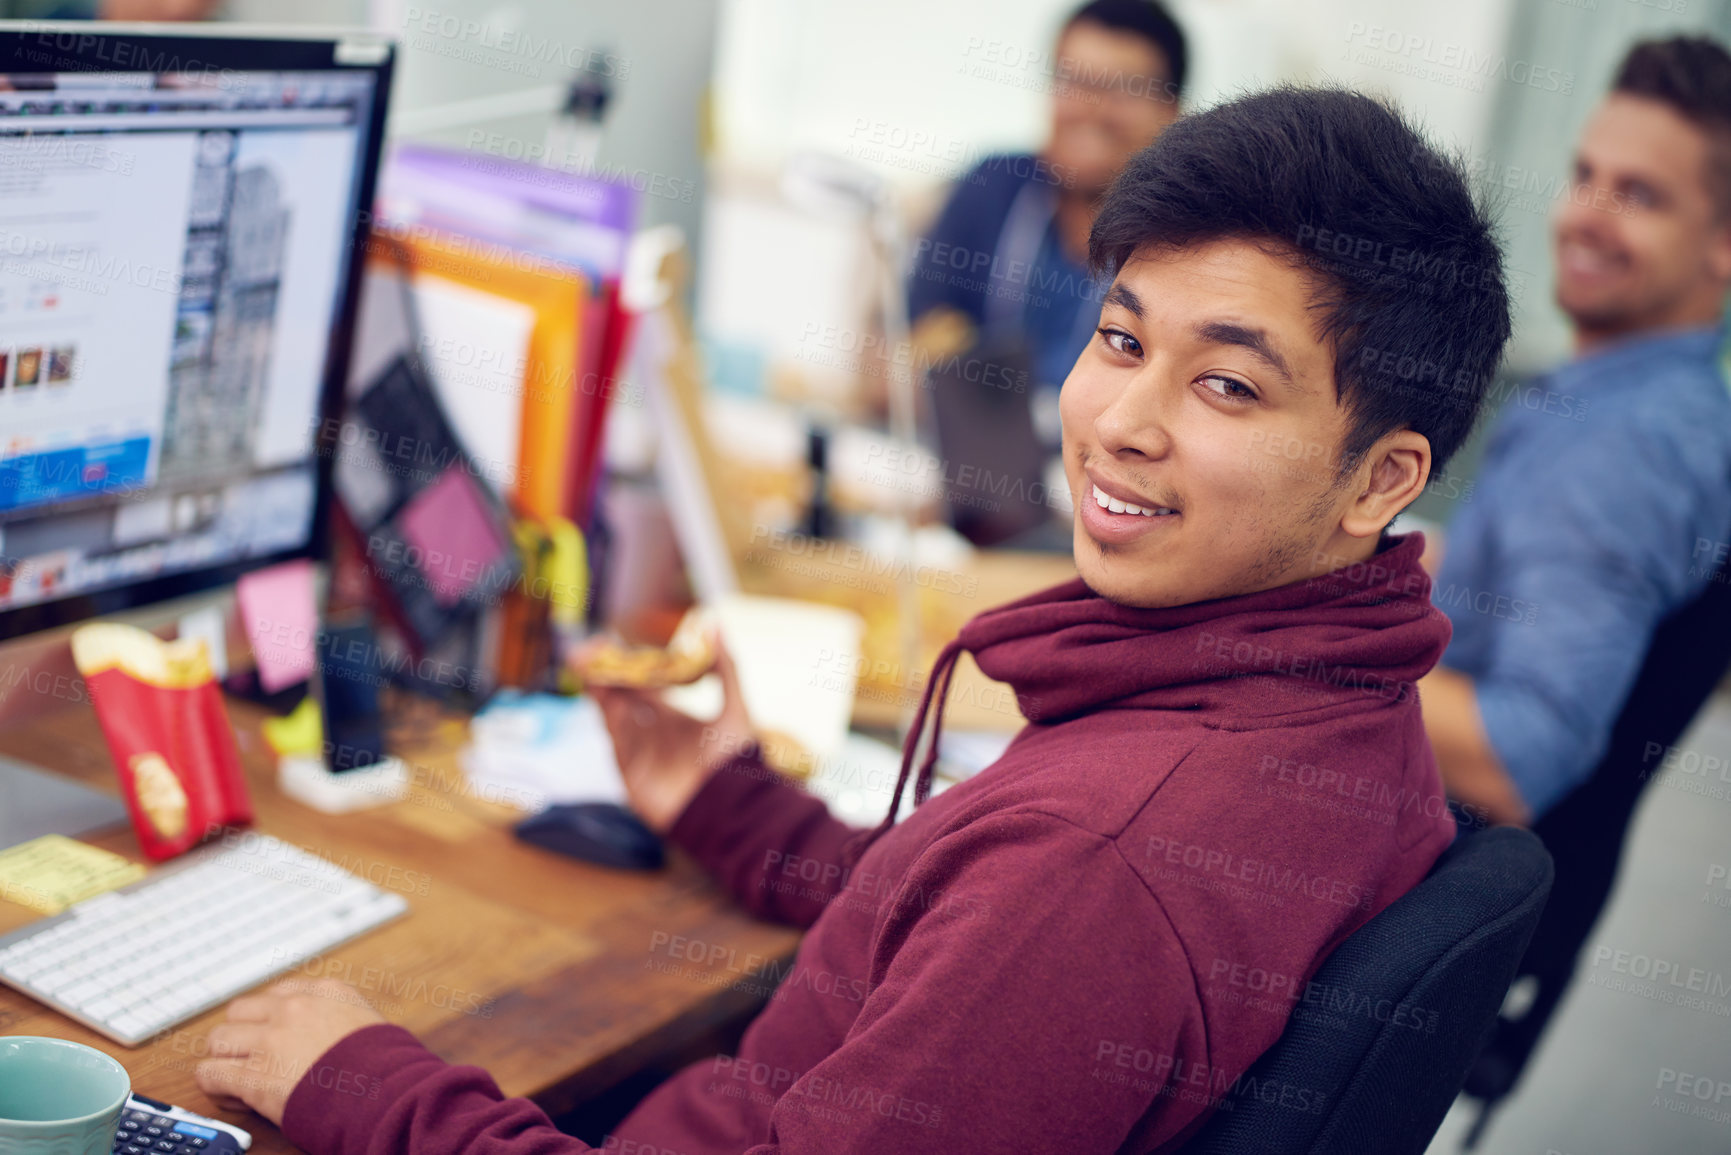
{"x": 139, "y": 960}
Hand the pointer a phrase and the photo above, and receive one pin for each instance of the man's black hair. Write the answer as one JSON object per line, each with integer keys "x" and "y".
{"x": 1409, "y": 290}
{"x": 1147, "y": 19}
{"x": 1691, "y": 75}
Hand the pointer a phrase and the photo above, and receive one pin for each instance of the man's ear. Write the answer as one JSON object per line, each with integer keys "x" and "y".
{"x": 1389, "y": 479}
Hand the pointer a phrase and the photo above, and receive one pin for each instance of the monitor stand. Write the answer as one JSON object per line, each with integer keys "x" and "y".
{"x": 35, "y": 802}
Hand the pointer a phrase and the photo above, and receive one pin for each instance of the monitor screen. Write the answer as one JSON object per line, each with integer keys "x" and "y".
{"x": 177, "y": 263}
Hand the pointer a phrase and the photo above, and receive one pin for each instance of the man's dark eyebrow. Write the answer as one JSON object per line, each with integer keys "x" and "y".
{"x": 1125, "y": 298}
{"x": 1247, "y": 337}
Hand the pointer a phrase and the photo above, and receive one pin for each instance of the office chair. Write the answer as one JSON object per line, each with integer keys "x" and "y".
{"x": 1419, "y": 986}
{"x": 1585, "y": 832}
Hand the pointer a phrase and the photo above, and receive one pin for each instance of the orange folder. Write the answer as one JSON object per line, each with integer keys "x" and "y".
{"x": 559, "y": 295}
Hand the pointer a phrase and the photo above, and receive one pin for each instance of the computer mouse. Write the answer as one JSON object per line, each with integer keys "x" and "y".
{"x": 601, "y": 832}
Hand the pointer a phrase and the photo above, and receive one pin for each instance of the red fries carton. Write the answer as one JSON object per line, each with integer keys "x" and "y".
{"x": 168, "y": 733}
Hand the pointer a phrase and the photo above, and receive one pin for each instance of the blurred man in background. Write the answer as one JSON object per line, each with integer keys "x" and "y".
{"x": 1004, "y": 268}
{"x": 1605, "y": 475}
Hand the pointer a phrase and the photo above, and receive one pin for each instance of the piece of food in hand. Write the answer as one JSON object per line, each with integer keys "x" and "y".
{"x": 611, "y": 663}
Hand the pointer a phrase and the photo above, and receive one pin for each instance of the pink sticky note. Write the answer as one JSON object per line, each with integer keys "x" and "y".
{"x": 453, "y": 538}
{"x": 279, "y": 614}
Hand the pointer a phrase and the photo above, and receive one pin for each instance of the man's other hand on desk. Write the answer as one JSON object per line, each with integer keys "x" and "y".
{"x": 665, "y": 754}
{"x": 272, "y": 1041}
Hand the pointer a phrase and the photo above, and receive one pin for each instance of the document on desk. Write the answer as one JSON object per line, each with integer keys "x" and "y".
{"x": 531, "y": 751}
{"x": 51, "y": 873}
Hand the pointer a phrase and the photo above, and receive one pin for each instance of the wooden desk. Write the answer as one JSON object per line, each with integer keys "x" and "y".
{"x": 554, "y": 975}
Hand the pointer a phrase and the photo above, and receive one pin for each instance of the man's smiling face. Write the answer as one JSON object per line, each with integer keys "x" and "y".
{"x": 1640, "y": 242}
{"x": 1208, "y": 400}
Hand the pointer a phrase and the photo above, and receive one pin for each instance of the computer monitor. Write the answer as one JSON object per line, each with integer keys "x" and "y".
{"x": 180, "y": 234}
{"x": 181, "y": 229}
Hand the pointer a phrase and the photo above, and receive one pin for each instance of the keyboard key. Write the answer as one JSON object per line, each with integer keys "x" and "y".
{"x": 150, "y": 1018}
{"x": 127, "y": 1025}
{"x": 50, "y": 981}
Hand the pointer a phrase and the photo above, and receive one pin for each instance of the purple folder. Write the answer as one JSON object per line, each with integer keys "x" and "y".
{"x": 573, "y": 218}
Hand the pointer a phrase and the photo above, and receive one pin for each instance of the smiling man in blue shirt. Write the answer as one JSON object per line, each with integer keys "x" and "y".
{"x": 1603, "y": 478}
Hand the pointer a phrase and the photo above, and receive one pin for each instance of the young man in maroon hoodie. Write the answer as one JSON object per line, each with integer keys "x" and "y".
{"x": 1225, "y": 774}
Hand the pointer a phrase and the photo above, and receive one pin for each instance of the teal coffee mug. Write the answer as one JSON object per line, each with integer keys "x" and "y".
{"x": 58, "y": 1098}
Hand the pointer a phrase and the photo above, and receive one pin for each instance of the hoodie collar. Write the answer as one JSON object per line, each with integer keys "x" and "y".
{"x": 1366, "y": 630}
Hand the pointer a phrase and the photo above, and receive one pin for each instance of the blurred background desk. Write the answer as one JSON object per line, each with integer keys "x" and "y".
{"x": 552, "y": 974}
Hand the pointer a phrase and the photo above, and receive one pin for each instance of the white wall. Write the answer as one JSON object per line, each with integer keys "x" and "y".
{"x": 454, "y": 52}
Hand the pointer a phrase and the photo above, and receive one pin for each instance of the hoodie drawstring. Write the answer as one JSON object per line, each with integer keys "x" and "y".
{"x": 937, "y": 686}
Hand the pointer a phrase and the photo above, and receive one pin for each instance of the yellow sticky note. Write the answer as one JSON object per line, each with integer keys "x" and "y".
{"x": 51, "y": 873}
{"x": 302, "y": 731}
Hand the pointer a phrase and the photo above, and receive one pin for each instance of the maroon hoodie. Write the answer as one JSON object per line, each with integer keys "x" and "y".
{"x": 1080, "y": 949}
